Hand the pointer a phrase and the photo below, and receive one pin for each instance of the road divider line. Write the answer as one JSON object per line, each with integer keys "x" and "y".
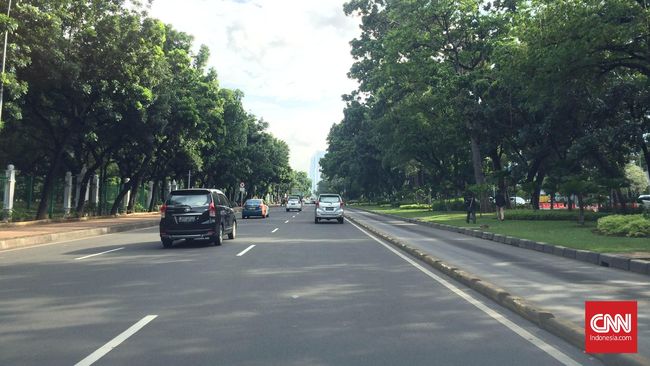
{"x": 101, "y": 352}
{"x": 276, "y": 229}
{"x": 539, "y": 343}
{"x": 96, "y": 254}
{"x": 286, "y": 222}
{"x": 246, "y": 250}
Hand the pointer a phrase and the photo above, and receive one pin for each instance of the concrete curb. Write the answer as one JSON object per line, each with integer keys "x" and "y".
{"x": 542, "y": 318}
{"x": 73, "y": 219}
{"x": 28, "y": 241}
{"x": 601, "y": 259}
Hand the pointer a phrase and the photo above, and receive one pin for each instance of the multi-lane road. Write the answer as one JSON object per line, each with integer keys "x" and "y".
{"x": 285, "y": 292}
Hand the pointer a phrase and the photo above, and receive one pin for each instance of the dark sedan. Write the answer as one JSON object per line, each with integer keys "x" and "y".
{"x": 255, "y": 207}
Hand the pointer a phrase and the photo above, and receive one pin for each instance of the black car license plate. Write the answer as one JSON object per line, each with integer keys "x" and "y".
{"x": 186, "y": 219}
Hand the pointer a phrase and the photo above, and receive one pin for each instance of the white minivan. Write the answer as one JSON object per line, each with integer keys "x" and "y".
{"x": 329, "y": 207}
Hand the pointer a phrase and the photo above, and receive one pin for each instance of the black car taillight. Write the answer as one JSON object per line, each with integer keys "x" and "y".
{"x": 163, "y": 210}
{"x": 213, "y": 210}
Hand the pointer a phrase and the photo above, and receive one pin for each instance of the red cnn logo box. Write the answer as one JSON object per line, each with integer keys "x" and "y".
{"x": 610, "y": 326}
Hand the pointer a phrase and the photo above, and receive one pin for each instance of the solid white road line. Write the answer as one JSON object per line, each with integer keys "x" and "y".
{"x": 274, "y": 230}
{"x": 115, "y": 341}
{"x": 286, "y": 222}
{"x": 94, "y": 255}
{"x": 246, "y": 250}
{"x": 550, "y": 350}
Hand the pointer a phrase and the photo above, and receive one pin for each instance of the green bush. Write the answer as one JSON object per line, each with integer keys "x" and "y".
{"x": 558, "y": 215}
{"x": 456, "y": 204}
{"x": 416, "y": 206}
{"x": 635, "y": 226}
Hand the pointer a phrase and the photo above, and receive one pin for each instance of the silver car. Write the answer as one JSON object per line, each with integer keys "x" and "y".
{"x": 294, "y": 203}
{"x": 329, "y": 207}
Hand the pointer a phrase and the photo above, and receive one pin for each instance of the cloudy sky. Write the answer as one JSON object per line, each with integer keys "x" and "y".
{"x": 289, "y": 57}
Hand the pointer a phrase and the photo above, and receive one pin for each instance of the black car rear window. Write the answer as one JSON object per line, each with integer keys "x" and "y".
{"x": 329, "y": 199}
{"x": 189, "y": 199}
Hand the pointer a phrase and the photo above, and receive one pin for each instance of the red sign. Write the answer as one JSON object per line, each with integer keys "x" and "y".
{"x": 610, "y": 326}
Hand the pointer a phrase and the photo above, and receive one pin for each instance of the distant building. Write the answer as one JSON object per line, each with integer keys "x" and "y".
{"x": 314, "y": 169}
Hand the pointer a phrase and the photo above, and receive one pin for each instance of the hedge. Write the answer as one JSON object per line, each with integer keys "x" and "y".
{"x": 635, "y": 226}
{"x": 556, "y": 215}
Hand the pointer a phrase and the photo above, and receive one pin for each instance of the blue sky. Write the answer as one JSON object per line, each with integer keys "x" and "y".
{"x": 289, "y": 57}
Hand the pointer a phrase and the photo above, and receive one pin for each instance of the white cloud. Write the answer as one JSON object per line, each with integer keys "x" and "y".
{"x": 290, "y": 58}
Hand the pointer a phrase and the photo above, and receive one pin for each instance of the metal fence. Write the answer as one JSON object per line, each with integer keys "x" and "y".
{"x": 29, "y": 189}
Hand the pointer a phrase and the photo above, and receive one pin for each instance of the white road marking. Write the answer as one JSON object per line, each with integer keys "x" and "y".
{"x": 93, "y": 357}
{"x": 286, "y": 222}
{"x": 94, "y": 255}
{"x": 71, "y": 240}
{"x": 550, "y": 350}
{"x": 293, "y": 217}
{"x": 274, "y": 230}
{"x": 246, "y": 250}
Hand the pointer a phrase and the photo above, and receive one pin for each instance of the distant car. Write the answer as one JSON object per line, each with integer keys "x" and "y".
{"x": 294, "y": 203}
{"x": 197, "y": 214}
{"x": 329, "y": 207}
{"x": 517, "y": 201}
{"x": 644, "y": 199}
{"x": 255, "y": 207}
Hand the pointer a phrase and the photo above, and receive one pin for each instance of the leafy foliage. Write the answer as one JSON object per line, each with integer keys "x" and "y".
{"x": 101, "y": 88}
{"x": 635, "y": 226}
{"x": 495, "y": 95}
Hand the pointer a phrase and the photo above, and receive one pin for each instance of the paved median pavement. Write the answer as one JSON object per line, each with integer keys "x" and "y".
{"x": 24, "y": 234}
{"x": 548, "y": 292}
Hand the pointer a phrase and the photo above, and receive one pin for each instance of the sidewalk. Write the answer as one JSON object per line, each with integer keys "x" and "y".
{"x": 28, "y": 234}
{"x": 552, "y": 286}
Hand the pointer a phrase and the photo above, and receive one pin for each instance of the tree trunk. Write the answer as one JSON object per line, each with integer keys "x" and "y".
{"x": 130, "y": 207}
{"x": 581, "y": 210}
{"x": 646, "y": 152}
{"x": 622, "y": 202}
{"x": 120, "y": 196}
{"x": 552, "y": 194}
{"x": 497, "y": 167}
{"x": 534, "y": 199}
{"x": 477, "y": 164}
{"x": 48, "y": 186}
{"x": 154, "y": 194}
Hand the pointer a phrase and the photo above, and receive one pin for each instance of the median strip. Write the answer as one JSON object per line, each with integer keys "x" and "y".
{"x": 101, "y": 352}
{"x": 96, "y": 254}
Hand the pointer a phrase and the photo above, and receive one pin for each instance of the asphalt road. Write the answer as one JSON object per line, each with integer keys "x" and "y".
{"x": 557, "y": 284}
{"x": 305, "y": 294}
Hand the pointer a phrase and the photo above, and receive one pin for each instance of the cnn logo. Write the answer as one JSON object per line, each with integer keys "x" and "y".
{"x": 611, "y": 326}
{"x": 605, "y": 323}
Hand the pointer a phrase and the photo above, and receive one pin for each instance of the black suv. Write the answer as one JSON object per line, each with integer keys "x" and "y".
{"x": 197, "y": 214}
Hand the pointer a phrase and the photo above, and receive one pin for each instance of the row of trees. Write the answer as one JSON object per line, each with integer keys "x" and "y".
{"x": 547, "y": 94}
{"x": 98, "y": 87}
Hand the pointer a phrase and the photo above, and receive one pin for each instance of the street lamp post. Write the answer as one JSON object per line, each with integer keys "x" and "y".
{"x": 4, "y": 61}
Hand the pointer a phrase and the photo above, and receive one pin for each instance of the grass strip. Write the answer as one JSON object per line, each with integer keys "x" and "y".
{"x": 565, "y": 233}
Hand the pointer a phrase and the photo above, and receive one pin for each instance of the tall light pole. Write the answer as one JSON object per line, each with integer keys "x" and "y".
{"x": 4, "y": 61}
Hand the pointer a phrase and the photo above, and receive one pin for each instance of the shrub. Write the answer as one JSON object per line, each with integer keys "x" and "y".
{"x": 636, "y": 226}
{"x": 456, "y": 204}
{"x": 416, "y": 206}
{"x": 558, "y": 215}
